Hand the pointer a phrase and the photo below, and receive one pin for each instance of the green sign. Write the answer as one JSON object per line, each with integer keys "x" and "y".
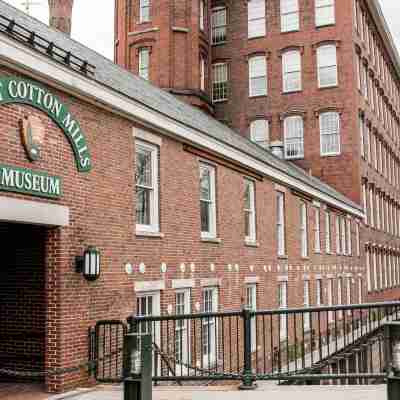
{"x": 21, "y": 180}
{"x": 16, "y": 90}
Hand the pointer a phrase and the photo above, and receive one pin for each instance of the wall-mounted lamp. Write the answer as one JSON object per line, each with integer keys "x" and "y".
{"x": 89, "y": 264}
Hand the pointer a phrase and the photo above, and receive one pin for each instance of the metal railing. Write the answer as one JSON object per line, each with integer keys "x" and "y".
{"x": 338, "y": 344}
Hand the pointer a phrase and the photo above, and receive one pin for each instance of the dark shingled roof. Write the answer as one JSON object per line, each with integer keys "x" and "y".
{"x": 121, "y": 80}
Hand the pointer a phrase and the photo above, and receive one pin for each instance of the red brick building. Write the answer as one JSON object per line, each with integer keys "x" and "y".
{"x": 181, "y": 208}
{"x": 318, "y": 82}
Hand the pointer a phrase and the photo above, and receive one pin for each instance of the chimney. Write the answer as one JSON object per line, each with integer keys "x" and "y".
{"x": 61, "y": 15}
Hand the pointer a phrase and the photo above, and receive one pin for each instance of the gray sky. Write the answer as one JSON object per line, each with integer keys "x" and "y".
{"x": 94, "y": 26}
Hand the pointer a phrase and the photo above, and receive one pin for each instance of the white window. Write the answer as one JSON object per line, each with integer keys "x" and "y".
{"x": 343, "y": 232}
{"x": 291, "y": 67}
{"x": 317, "y": 231}
{"x": 330, "y": 299}
{"x": 146, "y": 177}
{"x": 283, "y": 304}
{"x": 329, "y": 123}
{"x": 256, "y": 18}
{"x": 182, "y": 329}
{"x": 375, "y": 269}
{"x": 362, "y": 145}
{"x": 207, "y": 202}
{"x": 290, "y": 20}
{"x": 144, "y": 10}
{"x": 218, "y": 25}
{"x": 251, "y": 297}
{"x": 250, "y": 210}
{"x": 257, "y": 76}
{"x": 327, "y": 66}
{"x": 202, "y": 73}
{"x": 324, "y": 12}
{"x": 280, "y": 222}
{"x": 349, "y": 279}
{"x": 259, "y": 132}
{"x": 328, "y": 233}
{"x": 144, "y": 63}
{"x": 202, "y": 14}
{"x": 303, "y": 230}
{"x": 358, "y": 240}
{"x": 369, "y": 274}
{"x": 349, "y": 238}
{"x": 209, "y": 329}
{"x": 360, "y": 290}
{"x": 307, "y": 316}
{"x": 220, "y": 82}
{"x": 319, "y": 292}
{"x": 294, "y": 137}
{"x": 337, "y": 232}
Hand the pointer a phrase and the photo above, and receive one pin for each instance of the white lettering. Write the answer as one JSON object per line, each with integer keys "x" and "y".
{"x": 54, "y": 186}
{"x": 41, "y": 92}
{"x": 22, "y": 90}
{"x": 69, "y": 123}
{"x": 28, "y": 181}
{"x": 7, "y": 178}
{"x": 19, "y": 180}
{"x": 48, "y": 101}
{"x": 57, "y": 107}
{"x": 12, "y": 86}
{"x": 36, "y": 183}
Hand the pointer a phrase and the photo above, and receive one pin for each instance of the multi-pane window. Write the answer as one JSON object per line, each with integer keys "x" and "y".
{"x": 360, "y": 291}
{"x": 144, "y": 62}
{"x": 317, "y": 231}
{"x": 202, "y": 14}
{"x": 293, "y": 127}
{"x": 349, "y": 238}
{"x": 306, "y": 303}
{"x": 324, "y": 12}
{"x": 358, "y": 240}
{"x": 257, "y": 76}
{"x": 182, "y": 306}
{"x": 259, "y": 132}
{"x": 290, "y": 20}
{"x": 283, "y": 303}
{"x": 280, "y": 223}
{"x": 220, "y": 82}
{"x": 251, "y": 300}
{"x": 218, "y": 23}
{"x": 369, "y": 274}
{"x": 328, "y": 233}
{"x": 250, "y": 211}
{"x": 202, "y": 73}
{"x": 209, "y": 329}
{"x": 256, "y": 18}
{"x": 291, "y": 68}
{"x": 337, "y": 232}
{"x": 303, "y": 230}
{"x": 319, "y": 292}
{"x": 330, "y": 299}
{"x": 207, "y": 201}
{"x": 327, "y": 66}
{"x": 340, "y": 295}
{"x": 329, "y": 123}
{"x": 343, "y": 232}
{"x": 144, "y": 10}
{"x": 146, "y": 176}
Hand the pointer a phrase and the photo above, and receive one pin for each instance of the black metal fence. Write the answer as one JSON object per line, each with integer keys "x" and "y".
{"x": 338, "y": 344}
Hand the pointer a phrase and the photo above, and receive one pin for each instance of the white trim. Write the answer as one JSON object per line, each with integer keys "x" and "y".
{"x": 183, "y": 283}
{"x": 249, "y": 280}
{"x": 147, "y": 136}
{"x": 149, "y": 286}
{"x": 211, "y": 282}
{"x": 283, "y": 278}
{"x": 33, "y": 212}
{"x": 41, "y": 68}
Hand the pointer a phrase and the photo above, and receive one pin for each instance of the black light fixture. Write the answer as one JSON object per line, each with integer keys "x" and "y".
{"x": 89, "y": 264}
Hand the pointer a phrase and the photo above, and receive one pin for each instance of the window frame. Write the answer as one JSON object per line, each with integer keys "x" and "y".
{"x": 252, "y": 77}
{"x": 284, "y": 15}
{"x": 251, "y": 294}
{"x": 286, "y": 72}
{"x": 221, "y": 27}
{"x": 337, "y": 133}
{"x": 280, "y": 224}
{"x": 328, "y": 233}
{"x": 253, "y": 132}
{"x": 144, "y": 17}
{"x": 252, "y": 238}
{"x": 317, "y": 230}
{"x": 297, "y": 140}
{"x": 263, "y": 31}
{"x": 225, "y": 88}
{"x": 318, "y": 8}
{"x": 212, "y": 216}
{"x": 321, "y": 66}
{"x": 304, "y": 229}
{"x": 154, "y": 226}
{"x": 142, "y": 68}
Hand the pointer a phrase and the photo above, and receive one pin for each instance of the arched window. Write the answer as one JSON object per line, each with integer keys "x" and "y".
{"x": 259, "y": 132}
{"x": 327, "y": 66}
{"x": 293, "y": 127}
{"x": 291, "y": 69}
{"x": 329, "y": 123}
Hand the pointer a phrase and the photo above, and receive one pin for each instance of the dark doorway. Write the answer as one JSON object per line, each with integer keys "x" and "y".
{"x": 22, "y": 300}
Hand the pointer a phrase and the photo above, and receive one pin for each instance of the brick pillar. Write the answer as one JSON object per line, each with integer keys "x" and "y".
{"x": 60, "y": 15}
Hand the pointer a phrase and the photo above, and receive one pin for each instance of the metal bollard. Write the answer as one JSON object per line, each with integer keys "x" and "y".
{"x": 392, "y": 351}
{"x": 138, "y": 368}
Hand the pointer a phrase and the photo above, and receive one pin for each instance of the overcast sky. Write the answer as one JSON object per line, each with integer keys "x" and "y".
{"x": 94, "y": 26}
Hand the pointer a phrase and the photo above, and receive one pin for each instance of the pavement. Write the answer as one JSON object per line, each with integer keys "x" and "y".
{"x": 264, "y": 391}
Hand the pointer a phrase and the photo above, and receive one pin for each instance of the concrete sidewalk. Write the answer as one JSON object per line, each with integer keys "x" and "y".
{"x": 264, "y": 392}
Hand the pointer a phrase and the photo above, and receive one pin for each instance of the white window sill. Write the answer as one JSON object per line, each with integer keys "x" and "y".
{"x": 251, "y": 243}
{"x": 211, "y": 240}
{"x": 149, "y": 234}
